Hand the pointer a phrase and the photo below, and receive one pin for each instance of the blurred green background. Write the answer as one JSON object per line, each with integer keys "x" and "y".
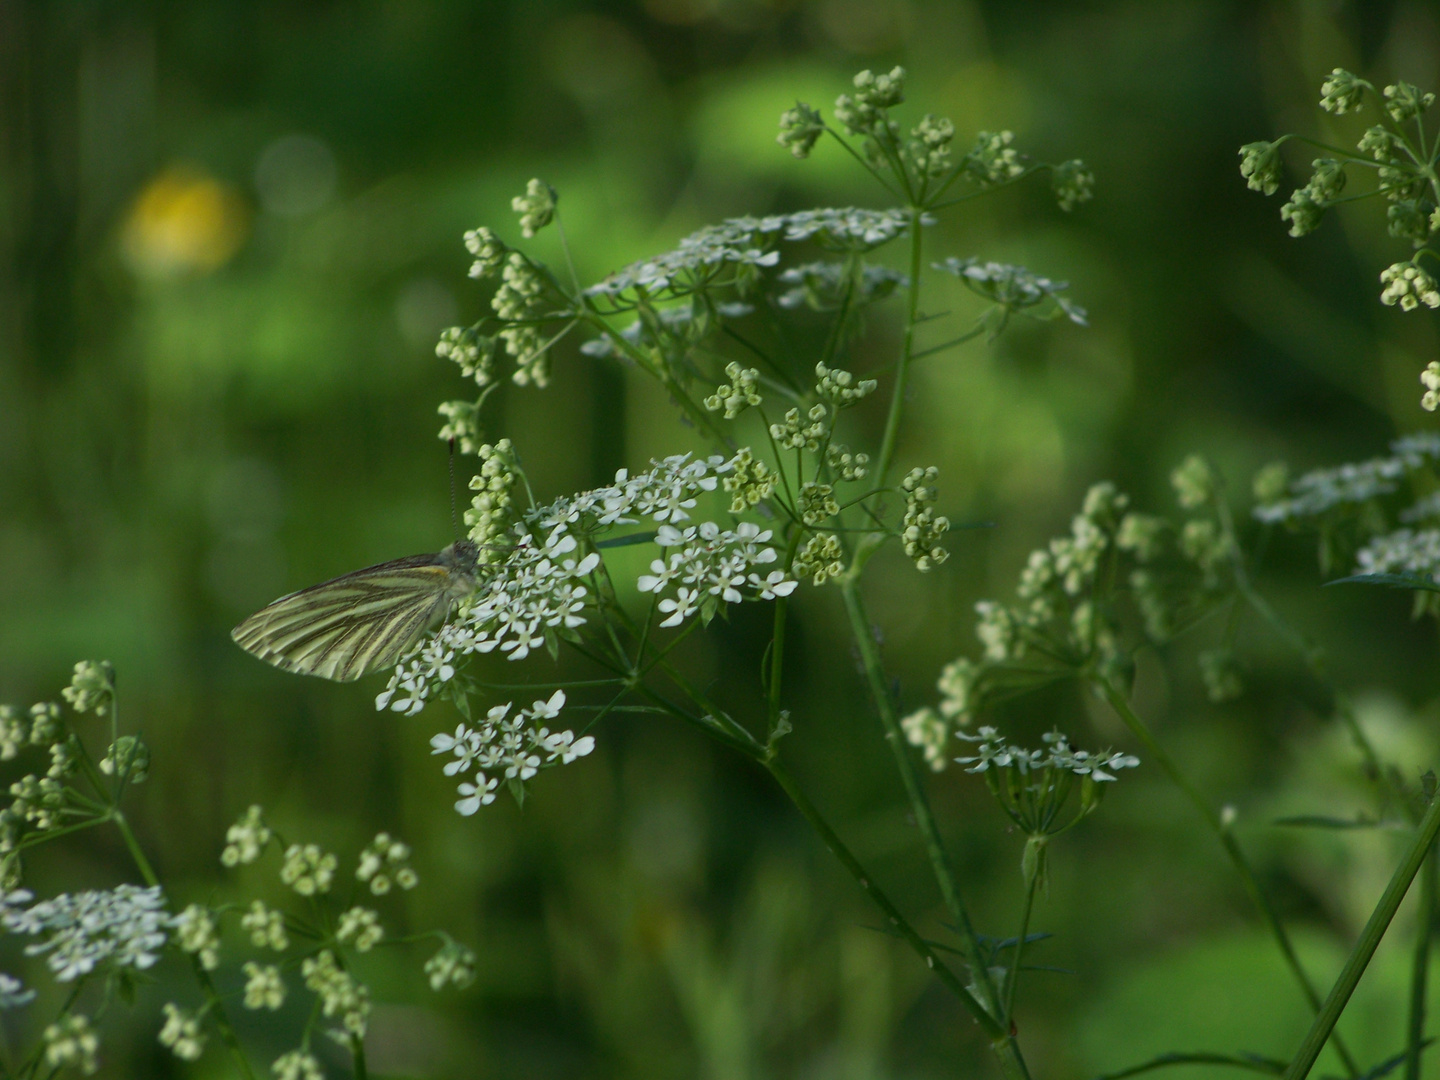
{"x": 230, "y": 234}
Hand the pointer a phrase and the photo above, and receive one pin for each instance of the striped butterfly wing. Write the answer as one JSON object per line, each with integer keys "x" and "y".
{"x": 355, "y": 624}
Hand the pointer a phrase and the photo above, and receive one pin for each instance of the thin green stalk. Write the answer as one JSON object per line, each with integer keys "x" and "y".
{"x": 915, "y": 790}
{"x": 1226, "y": 836}
{"x": 997, "y": 1032}
{"x": 1010, "y": 983}
{"x": 357, "y": 1049}
{"x": 1320, "y": 1031}
{"x": 1420, "y": 968}
{"x": 207, "y": 985}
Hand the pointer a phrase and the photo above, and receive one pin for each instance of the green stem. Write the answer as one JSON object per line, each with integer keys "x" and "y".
{"x": 207, "y": 985}
{"x": 357, "y": 1048}
{"x": 1420, "y": 968}
{"x": 1226, "y": 836}
{"x": 915, "y": 790}
{"x": 1014, "y": 979}
{"x": 993, "y": 1028}
{"x": 1364, "y": 949}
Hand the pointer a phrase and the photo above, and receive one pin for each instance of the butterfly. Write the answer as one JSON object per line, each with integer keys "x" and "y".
{"x": 362, "y": 621}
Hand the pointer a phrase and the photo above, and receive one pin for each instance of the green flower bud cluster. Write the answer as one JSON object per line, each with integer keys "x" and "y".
{"x": 1221, "y": 674}
{"x": 1430, "y": 379}
{"x": 489, "y": 251}
{"x": 362, "y": 925}
{"x": 1342, "y": 92}
{"x": 1194, "y": 482}
{"x": 817, "y": 503}
{"x": 992, "y": 160}
{"x": 71, "y": 1043}
{"x": 1409, "y": 285}
{"x": 92, "y": 687}
{"x": 490, "y": 514}
{"x": 864, "y": 112}
{"x": 800, "y": 128}
{"x": 749, "y": 482}
{"x": 462, "y": 424}
{"x": 1307, "y": 205}
{"x": 182, "y": 1033}
{"x": 738, "y": 394}
{"x": 795, "y": 434}
{"x": 841, "y": 388}
{"x": 196, "y": 933}
{"x": 127, "y": 757}
{"x": 384, "y": 862}
{"x": 923, "y": 529}
{"x": 1404, "y": 101}
{"x": 1260, "y": 166}
{"x": 1073, "y": 184}
{"x": 472, "y": 351}
{"x": 536, "y": 207}
{"x": 520, "y": 301}
{"x": 308, "y": 870}
{"x": 845, "y": 465}
{"x": 340, "y": 993}
{"x": 264, "y": 988}
{"x": 821, "y": 559}
{"x": 453, "y": 964}
{"x": 930, "y": 148}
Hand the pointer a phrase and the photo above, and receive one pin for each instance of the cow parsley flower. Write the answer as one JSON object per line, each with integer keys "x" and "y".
{"x": 926, "y": 729}
{"x": 13, "y": 994}
{"x": 1014, "y": 288}
{"x": 831, "y": 284}
{"x": 125, "y": 927}
{"x": 1408, "y": 285}
{"x": 1410, "y": 552}
{"x": 841, "y": 388}
{"x": 502, "y": 746}
{"x": 922, "y": 528}
{"x": 709, "y": 566}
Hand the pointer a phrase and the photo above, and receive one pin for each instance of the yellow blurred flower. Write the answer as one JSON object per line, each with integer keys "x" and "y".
{"x": 184, "y": 221}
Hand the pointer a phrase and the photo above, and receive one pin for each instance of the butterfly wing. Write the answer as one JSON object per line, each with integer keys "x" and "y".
{"x": 355, "y": 624}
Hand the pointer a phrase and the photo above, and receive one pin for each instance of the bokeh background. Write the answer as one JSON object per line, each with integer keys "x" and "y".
{"x": 229, "y": 234}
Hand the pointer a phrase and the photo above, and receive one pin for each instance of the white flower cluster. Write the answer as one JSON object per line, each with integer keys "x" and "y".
{"x": 993, "y": 750}
{"x": 509, "y": 747}
{"x": 13, "y": 993}
{"x": 665, "y": 492}
{"x": 822, "y": 285}
{"x": 1413, "y": 553}
{"x": 1013, "y": 287}
{"x": 672, "y": 327}
{"x": 1324, "y": 489}
{"x": 709, "y": 566}
{"x": 748, "y": 241}
{"x": 125, "y": 926}
{"x": 539, "y": 589}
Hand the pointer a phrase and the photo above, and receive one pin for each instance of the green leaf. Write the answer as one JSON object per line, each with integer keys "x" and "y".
{"x": 1395, "y": 581}
{"x": 627, "y": 540}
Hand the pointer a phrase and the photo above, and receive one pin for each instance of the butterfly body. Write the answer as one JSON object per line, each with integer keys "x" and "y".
{"x": 362, "y": 621}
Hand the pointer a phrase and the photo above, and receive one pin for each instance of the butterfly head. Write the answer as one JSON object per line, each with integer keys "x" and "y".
{"x": 462, "y": 555}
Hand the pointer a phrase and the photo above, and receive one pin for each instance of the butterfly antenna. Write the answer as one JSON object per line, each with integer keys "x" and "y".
{"x": 454, "y": 517}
